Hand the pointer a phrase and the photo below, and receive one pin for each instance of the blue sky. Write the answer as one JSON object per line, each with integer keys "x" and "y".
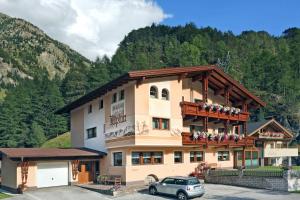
{"x": 273, "y": 16}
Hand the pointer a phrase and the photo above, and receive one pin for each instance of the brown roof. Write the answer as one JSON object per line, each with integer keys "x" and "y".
{"x": 254, "y": 127}
{"x": 44, "y": 153}
{"x": 217, "y": 80}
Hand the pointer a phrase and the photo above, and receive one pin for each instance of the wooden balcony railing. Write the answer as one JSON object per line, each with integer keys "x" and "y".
{"x": 187, "y": 139}
{"x": 195, "y": 109}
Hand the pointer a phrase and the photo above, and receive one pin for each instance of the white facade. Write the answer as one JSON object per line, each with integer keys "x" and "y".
{"x": 96, "y": 118}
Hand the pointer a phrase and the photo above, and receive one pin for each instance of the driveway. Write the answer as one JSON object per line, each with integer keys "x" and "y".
{"x": 221, "y": 192}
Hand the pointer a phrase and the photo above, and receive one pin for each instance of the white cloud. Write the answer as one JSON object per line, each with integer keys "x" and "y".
{"x": 92, "y": 27}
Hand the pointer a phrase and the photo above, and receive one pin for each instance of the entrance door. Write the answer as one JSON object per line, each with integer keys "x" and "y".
{"x": 238, "y": 159}
{"x": 52, "y": 174}
{"x": 86, "y": 172}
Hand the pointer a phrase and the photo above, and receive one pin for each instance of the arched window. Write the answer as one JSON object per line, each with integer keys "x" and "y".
{"x": 165, "y": 94}
{"x": 153, "y": 92}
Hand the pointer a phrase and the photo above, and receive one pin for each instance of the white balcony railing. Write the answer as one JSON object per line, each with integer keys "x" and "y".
{"x": 280, "y": 152}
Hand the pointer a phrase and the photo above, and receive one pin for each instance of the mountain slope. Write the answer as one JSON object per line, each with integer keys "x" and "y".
{"x": 26, "y": 51}
{"x": 61, "y": 141}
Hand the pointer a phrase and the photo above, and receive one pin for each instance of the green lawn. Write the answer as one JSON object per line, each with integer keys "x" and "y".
{"x": 3, "y": 196}
{"x": 298, "y": 191}
{"x": 296, "y": 168}
{"x": 62, "y": 141}
{"x": 268, "y": 168}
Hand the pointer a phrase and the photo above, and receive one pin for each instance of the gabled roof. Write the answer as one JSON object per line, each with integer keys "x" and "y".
{"x": 217, "y": 80}
{"x": 49, "y": 153}
{"x": 253, "y": 127}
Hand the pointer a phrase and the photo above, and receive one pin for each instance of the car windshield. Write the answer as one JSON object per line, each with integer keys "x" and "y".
{"x": 193, "y": 181}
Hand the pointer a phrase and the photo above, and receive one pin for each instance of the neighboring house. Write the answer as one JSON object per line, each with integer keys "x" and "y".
{"x": 272, "y": 141}
{"x": 165, "y": 122}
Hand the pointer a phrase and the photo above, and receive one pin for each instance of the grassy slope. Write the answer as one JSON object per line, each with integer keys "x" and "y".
{"x": 3, "y": 196}
{"x": 63, "y": 141}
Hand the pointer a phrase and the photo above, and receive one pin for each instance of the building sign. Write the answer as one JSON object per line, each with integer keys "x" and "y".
{"x": 271, "y": 135}
{"x": 117, "y": 113}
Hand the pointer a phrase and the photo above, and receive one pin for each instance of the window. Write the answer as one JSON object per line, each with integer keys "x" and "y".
{"x": 159, "y": 123}
{"x": 117, "y": 158}
{"x": 180, "y": 182}
{"x": 194, "y": 128}
{"x": 157, "y": 157}
{"x": 196, "y": 156}
{"x": 165, "y": 124}
{"x": 251, "y": 158}
{"x": 91, "y": 132}
{"x": 135, "y": 158}
{"x": 178, "y": 157}
{"x": 155, "y": 123}
{"x": 221, "y": 130}
{"x": 114, "y": 98}
{"x": 146, "y": 158}
{"x": 237, "y": 130}
{"x": 121, "y": 95}
{"x": 153, "y": 92}
{"x": 165, "y": 94}
{"x": 169, "y": 181}
{"x": 223, "y": 155}
{"x": 101, "y": 104}
{"x": 90, "y": 110}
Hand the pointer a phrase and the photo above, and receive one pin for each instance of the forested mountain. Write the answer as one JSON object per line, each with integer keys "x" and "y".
{"x": 47, "y": 74}
{"x": 25, "y": 51}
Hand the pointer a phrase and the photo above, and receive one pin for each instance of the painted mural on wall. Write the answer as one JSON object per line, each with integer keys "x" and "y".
{"x": 129, "y": 128}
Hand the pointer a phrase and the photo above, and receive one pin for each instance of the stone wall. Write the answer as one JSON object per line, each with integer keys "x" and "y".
{"x": 289, "y": 181}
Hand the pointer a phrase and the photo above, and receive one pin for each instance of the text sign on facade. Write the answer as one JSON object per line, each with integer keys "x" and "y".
{"x": 117, "y": 113}
{"x": 271, "y": 135}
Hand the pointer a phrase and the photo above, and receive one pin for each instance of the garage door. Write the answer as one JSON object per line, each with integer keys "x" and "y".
{"x": 52, "y": 174}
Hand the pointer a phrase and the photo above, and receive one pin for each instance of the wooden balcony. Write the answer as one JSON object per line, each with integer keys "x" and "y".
{"x": 187, "y": 139}
{"x": 195, "y": 109}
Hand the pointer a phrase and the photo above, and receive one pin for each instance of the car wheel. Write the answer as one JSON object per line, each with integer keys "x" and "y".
{"x": 182, "y": 196}
{"x": 152, "y": 191}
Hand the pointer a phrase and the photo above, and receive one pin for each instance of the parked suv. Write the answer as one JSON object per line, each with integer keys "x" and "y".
{"x": 182, "y": 187}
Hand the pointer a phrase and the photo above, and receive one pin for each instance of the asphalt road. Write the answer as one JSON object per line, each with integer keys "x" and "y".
{"x": 220, "y": 192}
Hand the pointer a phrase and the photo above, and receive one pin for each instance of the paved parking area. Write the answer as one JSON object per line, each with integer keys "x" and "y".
{"x": 220, "y": 192}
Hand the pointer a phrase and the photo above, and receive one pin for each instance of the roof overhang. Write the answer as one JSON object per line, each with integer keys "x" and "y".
{"x": 277, "y": 125}
{"x": 36, "y": 154}
{"x": 218, "y": 80}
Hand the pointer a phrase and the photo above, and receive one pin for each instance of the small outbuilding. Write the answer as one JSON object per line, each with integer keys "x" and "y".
{"x": 25, "y": 168}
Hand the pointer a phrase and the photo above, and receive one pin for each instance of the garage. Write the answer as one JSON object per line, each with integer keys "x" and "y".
{"x": 51, "y": 174}
{"x": 30, "y": 168}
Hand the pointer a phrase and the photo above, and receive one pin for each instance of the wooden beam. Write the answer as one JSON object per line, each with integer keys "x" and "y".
{"x": 205, "y": 124}
{"x": 205, "y": 87}
{"x": 219, "y": 92}
{"x": 182, "y": 76}
{"x": 197, "y": 77}
{"x": 241, "y": 103}
{"x": 140, "y": 81}
{"x": 223, "y": 90}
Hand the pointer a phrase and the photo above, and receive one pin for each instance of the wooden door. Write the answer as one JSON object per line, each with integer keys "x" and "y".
{"x": 83, "y": 175}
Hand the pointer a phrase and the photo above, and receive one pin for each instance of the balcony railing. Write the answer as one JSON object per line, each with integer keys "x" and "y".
{"x": 196, "y": 109}
{"x": 188, "y": 139}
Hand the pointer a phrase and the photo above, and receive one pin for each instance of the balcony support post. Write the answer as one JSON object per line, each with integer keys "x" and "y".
{"x": 204, "y": 97}
{"x": 226, "y": 122}
{"x": 245, "y": 128}
{"x": 205, "y": 124}
{"x": 205, "y": 87}
{"x": 227, "y": 89}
